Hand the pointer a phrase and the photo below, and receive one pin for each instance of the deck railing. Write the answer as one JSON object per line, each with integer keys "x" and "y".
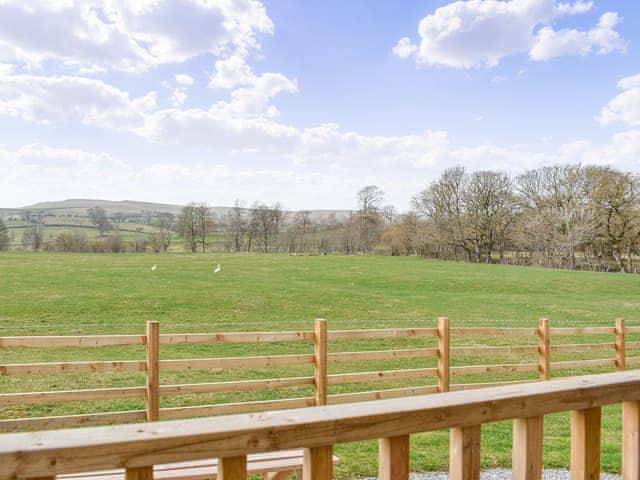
{"x": 137, "y": 448}
{"x": 439, "y": 350}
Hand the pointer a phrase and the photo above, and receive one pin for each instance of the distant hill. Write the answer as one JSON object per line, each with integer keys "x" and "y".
{"x": 130, "y": 207}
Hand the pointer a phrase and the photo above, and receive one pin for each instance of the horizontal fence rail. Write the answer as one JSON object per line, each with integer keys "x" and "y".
{"x": 137, "y": 448}
{"x": 612, "y": 353}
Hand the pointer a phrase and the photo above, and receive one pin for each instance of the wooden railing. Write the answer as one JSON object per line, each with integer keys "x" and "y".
{"x": 441, "y": 373}
{"x": 137, "y": 448}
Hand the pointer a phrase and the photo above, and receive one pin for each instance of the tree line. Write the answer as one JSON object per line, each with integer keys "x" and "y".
{"x": 561, "y": 216}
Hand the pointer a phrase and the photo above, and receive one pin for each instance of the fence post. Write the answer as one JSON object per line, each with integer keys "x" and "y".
{"x": 318, "y": 461}
{"x": 621, "y": 360}
{"x": 544, "y": 349}
{"x": 443, "y": 354}
{"x": 585, "y": 444}
{"x": 153, "y": 371}
{"x": 320, "y": 349}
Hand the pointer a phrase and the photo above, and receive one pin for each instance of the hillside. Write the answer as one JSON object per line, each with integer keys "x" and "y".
{"x": 130, "y": 207}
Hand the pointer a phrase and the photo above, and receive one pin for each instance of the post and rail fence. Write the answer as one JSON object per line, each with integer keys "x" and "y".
{"x": 321, "y": 379}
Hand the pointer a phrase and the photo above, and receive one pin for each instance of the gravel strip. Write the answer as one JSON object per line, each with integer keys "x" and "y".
{"x": 505, "y": 474}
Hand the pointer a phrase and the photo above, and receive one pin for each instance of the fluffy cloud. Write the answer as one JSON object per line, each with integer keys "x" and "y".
{"x": 133, "y": 36}
{"x": 45, "y": 100}
{"x": 624, "y": 107}
{"x": 602, "y": 39}
{"x": 482, "y": 32}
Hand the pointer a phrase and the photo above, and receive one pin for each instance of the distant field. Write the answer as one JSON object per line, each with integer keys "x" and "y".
{"x": 94, "y": 293}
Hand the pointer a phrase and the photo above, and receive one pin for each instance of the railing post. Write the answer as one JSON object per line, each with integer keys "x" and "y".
{"x": 139, "y": 473}
{"x": 393, "y": 458}
{"x": 153, "y": 371}
{"x": 443, "y": 354}
{"x": 585, "y": 444}
{"x": 631, "y": 440}
{"x": 527, "y": 448}
{"x": 544, "y": 349}
{"x": 318, "y": 462}
{"x": 232, "y": 468}
{"x": 464, "y": 453}
{"x": 621, "y": 363}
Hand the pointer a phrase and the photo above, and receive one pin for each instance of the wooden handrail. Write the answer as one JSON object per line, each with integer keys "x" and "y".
{"x": 44, "y": 454}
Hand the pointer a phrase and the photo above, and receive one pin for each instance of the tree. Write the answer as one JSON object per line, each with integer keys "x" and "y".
{"x": 99, "y": 218}
{"x": 369, "y": 199}
{"x": 32, "y": 237}
{"x": 615, "y": 198}
{"x": 389, "y": 213}
{"x": 556, "y": 211}
{"x": 4, "y": 236}
{"x": 204, "y": 224}
{"x": 265, "y": 222}
{"x": 302, "y": 222}
{"x": 236, "y": 224}
{"x": 489, "y": 210}
{"x": 161, "y": 240}
{"x": 188, "y": 227}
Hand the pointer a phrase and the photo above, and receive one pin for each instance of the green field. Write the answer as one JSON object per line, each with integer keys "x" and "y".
{"x": 76, "y": 294}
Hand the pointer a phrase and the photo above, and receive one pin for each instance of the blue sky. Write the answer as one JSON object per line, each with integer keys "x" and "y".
{"x": 305, "y": 102}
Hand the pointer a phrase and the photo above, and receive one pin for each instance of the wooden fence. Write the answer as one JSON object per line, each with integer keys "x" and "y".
{"x": 137, "y": 448}
{"x": 442, "y": 353}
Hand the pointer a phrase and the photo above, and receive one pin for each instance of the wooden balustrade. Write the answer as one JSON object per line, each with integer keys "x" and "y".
{"x": 137, "y": 448}
{"x": 431, "y": 379}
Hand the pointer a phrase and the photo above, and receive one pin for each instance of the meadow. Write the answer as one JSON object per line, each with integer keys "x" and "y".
{"x": 62, "y": 294}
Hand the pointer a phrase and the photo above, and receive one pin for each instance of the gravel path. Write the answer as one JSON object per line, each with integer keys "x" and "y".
{"x": 504, "y": 474}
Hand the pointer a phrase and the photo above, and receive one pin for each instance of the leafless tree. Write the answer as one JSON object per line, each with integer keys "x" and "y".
{"x": 99, "y": 218}
{"x": 369, "y": 216}
{"x": 237, "y": 224}
{"x": 204, "y": 224}
{"x": 188, "y": 227}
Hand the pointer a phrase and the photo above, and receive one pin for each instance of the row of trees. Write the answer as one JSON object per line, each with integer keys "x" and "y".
{"x": 268, "y": 228}
{"x": 563, "y": 216}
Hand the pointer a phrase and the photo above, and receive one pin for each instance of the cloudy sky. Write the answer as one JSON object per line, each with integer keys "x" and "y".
{"x": 304, "y": 102}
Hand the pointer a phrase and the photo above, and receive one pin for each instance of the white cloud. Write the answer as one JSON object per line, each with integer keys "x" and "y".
{"x": 624, "y": 107}
{"x": 404, "y": 48}
{"x": 43, "y": 99}
{"x": 482, "y": 32}
{"x": 602, "y": 39}
{"x": 132, "y": 36}
{"x": 184, "y": 79}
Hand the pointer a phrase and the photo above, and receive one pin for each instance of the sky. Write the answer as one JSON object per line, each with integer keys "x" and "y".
{"x": 305, "y": 102}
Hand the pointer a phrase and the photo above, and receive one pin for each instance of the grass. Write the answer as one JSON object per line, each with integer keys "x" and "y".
{"x": 77, "y": 294}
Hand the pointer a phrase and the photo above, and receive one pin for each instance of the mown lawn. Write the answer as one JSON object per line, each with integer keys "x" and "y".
{"x": 76, "y": 294}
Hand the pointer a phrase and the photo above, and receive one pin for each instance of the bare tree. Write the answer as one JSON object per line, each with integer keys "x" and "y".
{"x": 369, "y": 200}
{"x": 303, "y": 224}
{"x": 188, "y": 227}
{"x": 204, "y": 224}
{"x": 99, "y": 218}
{"x": 265, "y": 222}
{"x": 32, "y": 238}
{"x": 4, "y": 236}
{"x": 615, "y": 197}
{"x": 162, "y": 238}
{"x": 237, "y": 224}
